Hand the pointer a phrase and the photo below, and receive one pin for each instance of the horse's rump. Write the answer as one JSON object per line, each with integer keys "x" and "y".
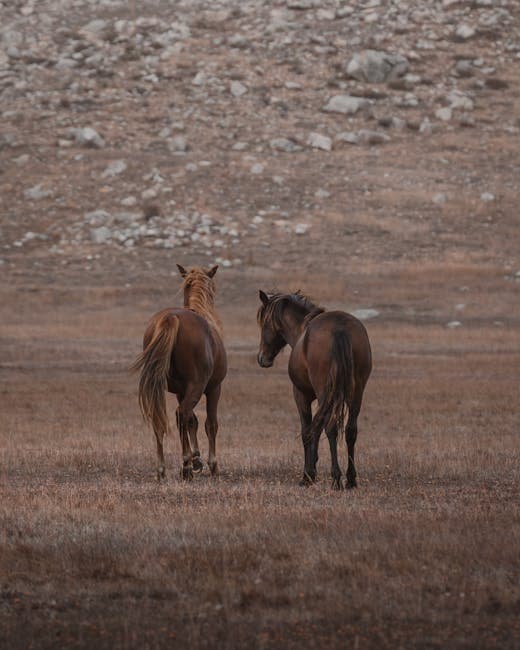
{"x": 334, "y": 391}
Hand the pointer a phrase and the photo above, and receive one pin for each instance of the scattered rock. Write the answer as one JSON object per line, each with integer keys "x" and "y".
{"x": 443, "y": 114}
{"x": 464, "y": 68}
{"x": 440, "y": 198}
{"x": 458, "y": 100}
{"x": 302, "y": 4}
{"x": 97, "y": 217}
{"x": 365, "y": 314}
{"x": 237, "y": 89}
{"x": 284, "y": 144}
{"x": 115, "y": 168}
{"x": 100, "y": 235}
{"x": 301, "y": 228}
{"x": 373, "y": 66}
{"x": 178, "y": 143}
{"x": 464, "y": 32}
{"x": 346, "y": 104}
{"x": 453, "y": 324}
{"x": 348, "y": 136}
{"x": 36, "y": 193}
{"x": 318, "y": 141}
{"x": 88, "y": 137}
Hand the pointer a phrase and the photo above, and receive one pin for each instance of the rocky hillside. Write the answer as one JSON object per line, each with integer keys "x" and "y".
{"x": 250, "y": 132}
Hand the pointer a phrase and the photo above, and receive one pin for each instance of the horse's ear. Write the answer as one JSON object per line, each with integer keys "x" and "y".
{"x": 182, "y": 270}
{"x": 212, "y": 271}
{"x": 263, "y": 297}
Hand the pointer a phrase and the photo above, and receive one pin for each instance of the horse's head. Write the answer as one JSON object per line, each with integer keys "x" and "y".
{"x": 198, "y": 281}
{"x": 271, "y": 335}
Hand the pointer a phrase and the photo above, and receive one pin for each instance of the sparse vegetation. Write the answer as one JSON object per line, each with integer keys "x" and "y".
{"x": 423, "y": 554}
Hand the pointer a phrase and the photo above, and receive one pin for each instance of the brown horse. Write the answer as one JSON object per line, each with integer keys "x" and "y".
{"x": 330, "y": 361}
{"x": 184, "y": 354}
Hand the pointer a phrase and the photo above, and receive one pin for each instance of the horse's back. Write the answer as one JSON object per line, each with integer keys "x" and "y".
{"x": 330, "y": 322}
{"x": 199, "y": 354}
{"x": 317, "y": 343}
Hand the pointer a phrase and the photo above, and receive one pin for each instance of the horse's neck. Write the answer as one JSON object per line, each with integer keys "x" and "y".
{"x": 206, "y": 309}
{"x": 293, "y": 325}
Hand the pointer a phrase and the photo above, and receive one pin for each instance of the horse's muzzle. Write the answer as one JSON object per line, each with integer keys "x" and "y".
{"x": 263, "y": 362}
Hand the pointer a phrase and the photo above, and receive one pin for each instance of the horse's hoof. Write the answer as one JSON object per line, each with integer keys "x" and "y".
{"x": 187, "y": 474}
{"x": 351, "y": 484}
{"x": 213, "y": 468}
{"x": 336, "y": 484}
{"x": 198, "y": 466}
{"x": 161, "y": 474}
{"x": 307, "y": 480}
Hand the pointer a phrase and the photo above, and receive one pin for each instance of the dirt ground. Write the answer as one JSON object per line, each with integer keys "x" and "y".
{"x": 422, "y": 228}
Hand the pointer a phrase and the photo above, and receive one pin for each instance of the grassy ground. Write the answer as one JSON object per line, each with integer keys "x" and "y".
{"x": 424, "y": 554}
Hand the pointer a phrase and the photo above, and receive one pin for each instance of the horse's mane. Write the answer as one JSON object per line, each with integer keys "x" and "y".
{"x": 272, "y": 312}
{"x": 201, "y": 296}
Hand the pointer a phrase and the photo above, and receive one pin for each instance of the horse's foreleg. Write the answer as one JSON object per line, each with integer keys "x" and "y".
{"x": 211, "y": 427}
{"x": 303, "y": 404}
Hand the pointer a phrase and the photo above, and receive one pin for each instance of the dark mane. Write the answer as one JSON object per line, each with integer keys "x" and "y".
{"x": 272, "y": 312}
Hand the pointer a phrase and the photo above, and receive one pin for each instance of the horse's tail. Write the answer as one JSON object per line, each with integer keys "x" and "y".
{"x": 339, "y": 388}
{"x": 154, "y": 365}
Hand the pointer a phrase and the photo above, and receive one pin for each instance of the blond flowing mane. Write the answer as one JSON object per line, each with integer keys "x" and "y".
{"x": 199, "y": 296}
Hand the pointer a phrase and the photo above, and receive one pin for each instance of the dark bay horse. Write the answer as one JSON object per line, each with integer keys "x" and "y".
{"x": 183, "y": 353}
{"x": 330, "y": 361}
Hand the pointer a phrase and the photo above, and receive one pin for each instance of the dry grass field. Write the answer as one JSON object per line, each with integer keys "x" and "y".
{"x": 137, "y": 135}
{"x": 94, "y": 553}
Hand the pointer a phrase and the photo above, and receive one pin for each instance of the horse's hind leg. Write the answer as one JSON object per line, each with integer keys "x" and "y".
{"x": 195, "y": 451}
{"x": 351, "y": 436}
{"x": 185, "y": 416}
{"x": 211, "y": 426}
{"x": 335, "y": 472}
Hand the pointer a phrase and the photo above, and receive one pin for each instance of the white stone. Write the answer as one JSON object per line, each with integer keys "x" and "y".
{"x": 100, "y": 235}
{"x": 302, "y": 4}
{"x": 199, "y": 79}
{"x": 115, "y": 168}
{"x": 439, "y": 198}
{"x": 453, "y": 324}
{"x": 348, "y": 136}
{"x": 443, "y": 114}
{"x": 237, "y": 89}
{"x": 346, "y": 104}
{"x": 88, "y": 137}
{"x": 464, "y": 32}
{"x": 319, "y": 141}
{"x": 373, "y": 66}
{"x": 284, "y": 144}
{"x": 177, "y": 143}
{"x": 460, "y": 100}
{"x": 36, "y": 193}
{"x": 365, "y": 314}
